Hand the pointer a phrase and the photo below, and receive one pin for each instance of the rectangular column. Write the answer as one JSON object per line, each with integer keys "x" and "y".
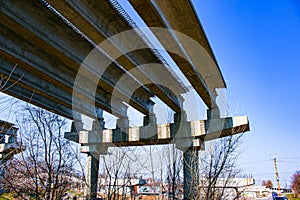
{"x": 191, "y": 173}
{"x": 92, "y": 176}
{"x": 93, "y": 156}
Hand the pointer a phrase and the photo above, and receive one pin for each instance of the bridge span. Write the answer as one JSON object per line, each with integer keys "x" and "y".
{"x": 86, "y": 57}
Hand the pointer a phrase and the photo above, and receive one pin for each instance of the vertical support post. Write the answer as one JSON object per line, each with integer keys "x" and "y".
{"x": 191, "y": 173}
{"x": 92, "y": 176}
{"x": 93, "y": 160}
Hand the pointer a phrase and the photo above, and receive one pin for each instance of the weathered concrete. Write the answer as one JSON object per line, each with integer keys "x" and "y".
{"x": 49, "y": 52}
{"x": 180, "y": 16}
{"x": 189, "y": 137}
{"x": 191, "y": 173}
{"x": 92, "y": 176}
{"x": 91, "y": 141}
{"x": 192, "y": 135}
{"x": 107, "y": 22}
{"x": 58, "y": 40}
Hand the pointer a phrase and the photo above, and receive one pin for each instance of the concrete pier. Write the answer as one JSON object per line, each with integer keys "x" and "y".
{"x": 92, "y": 176}
{"x": 191, "y": 173}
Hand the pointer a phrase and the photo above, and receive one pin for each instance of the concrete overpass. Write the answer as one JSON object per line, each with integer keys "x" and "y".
{"x": 204, "y": 75}
{"x": 44, "y": 45}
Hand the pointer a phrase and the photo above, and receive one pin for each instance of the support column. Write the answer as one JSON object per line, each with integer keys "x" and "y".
{"x": 191, "y": 173}
{"x": 92, "y": 176}
{"x": 93, "y": 156}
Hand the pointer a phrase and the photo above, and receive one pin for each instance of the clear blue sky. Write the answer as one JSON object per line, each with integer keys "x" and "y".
{"x": 257, "y": 47}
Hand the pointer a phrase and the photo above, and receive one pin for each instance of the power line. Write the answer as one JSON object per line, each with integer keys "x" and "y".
{"x": 281, "y": 161}
{"x": 254, "y": 162}
{"x": 272, "y": 173}
{"x": 291, "y": 158}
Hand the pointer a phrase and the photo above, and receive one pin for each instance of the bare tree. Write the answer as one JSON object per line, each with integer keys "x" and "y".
{"x": 50, "y": 166}
{"x": 174, "y": 172}
{"x": 267, "y": 183}
{"x": 174, "y": 159}
{"x": 8, "y": 140}
{"x": 119, "y": 170}
{"x": 296, "y": 183}
{"x": 218, "y": 168}
{"x": 151, "y": 150}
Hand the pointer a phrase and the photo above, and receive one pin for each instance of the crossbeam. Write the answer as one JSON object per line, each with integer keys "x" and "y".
{"x": 191, "y": 133}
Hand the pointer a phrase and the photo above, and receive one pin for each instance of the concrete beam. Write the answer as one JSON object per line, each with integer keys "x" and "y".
{"x": 47, "y": 90}
{"x": 191, "y": 135}
{"x": 36, "y": 23}
{"x": 204, "y": 75}
{"x": 94, "y": 149}
{"x": 218, "y": 128}
{"x": 39, "y": 70}
{"x": 91, "y": 17}
{"x": 20, "y": 92}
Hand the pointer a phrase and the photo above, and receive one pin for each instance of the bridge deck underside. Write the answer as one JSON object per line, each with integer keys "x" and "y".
{"x": 200, "y": 68}
{"x": 48, "y": 52}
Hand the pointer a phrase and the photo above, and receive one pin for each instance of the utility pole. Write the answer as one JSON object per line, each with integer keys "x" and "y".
{"x": 277, "y": 175}
{"x": 276, "y": 172}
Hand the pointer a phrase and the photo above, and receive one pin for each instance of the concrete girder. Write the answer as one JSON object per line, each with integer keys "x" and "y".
{"x": 43, "y": 28}
{"x": 175, "y": 15}
{"x": 91, "y": 18}
{"x": 34, "y": 85}
{"x": 47, "y": 91}
{"x": 20, "y": 92}
{"x": 40, "y": 69}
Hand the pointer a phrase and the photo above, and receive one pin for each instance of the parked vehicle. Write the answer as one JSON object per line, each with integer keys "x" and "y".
{"x": 280, "y": 198}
